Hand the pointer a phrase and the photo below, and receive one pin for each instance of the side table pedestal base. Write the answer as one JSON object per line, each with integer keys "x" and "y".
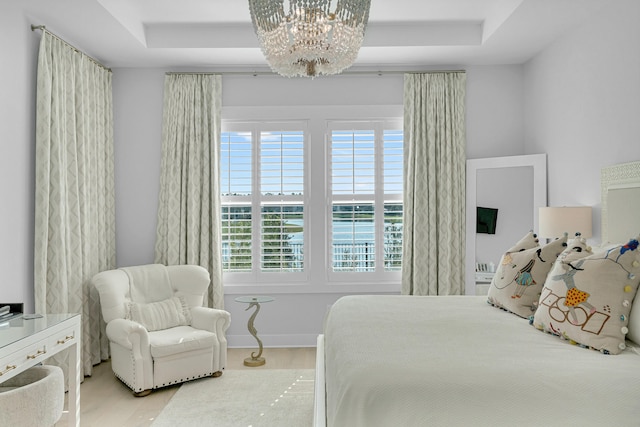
{"x": 254, "y": 361}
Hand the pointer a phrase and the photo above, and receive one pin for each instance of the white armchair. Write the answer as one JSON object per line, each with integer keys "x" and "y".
{"x": 159, "y": 332}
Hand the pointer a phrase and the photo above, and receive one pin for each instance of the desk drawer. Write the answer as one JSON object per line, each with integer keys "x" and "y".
{"x": 22, "y": 359}
{"x": 63, "y": 339}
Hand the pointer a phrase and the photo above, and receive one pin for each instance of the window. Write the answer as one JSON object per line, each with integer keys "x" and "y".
{"x": 236, "y": 178}
{"x": 366, "y": 198}
{"x": 269, "y": 194}
{"x": 263, "y": 213}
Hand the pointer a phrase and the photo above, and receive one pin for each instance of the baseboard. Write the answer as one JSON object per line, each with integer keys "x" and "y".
{"x": 273, "y": 341}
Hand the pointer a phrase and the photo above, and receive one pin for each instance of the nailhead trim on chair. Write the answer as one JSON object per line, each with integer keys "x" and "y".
{"x": 163, "y": 385}
{"x": 208, "y": 374}
{"x": 134, "y": 379}
{"x": 127, "y": 384}
{"x": 184, "y": 380}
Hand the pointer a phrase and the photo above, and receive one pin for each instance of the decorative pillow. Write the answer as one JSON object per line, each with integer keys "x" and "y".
{"x": 162, "y": 314}
{"x": 530, "y": 240}
{"x": 634, "y": 323}
{"x": 587, "y": 297}
{"x": 519, "y": 278}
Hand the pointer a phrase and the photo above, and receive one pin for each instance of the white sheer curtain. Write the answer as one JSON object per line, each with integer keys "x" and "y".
{"x": 434, "y": 189}
{"x": 189, "y": 203}
{"x": 74, "y": 189}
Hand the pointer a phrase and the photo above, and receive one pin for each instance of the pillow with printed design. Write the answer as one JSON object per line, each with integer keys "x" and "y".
{"x": 588, "y": 295}
{"x": 530, "y": 240}
{"x": 520, "y": 275}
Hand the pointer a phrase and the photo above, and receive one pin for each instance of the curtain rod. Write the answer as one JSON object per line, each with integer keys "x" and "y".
{"x": 43, "y": 29}
{"x": 271, "y": 73}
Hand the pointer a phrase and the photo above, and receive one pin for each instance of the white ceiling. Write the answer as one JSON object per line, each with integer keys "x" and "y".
{"x": 218, "y": 35}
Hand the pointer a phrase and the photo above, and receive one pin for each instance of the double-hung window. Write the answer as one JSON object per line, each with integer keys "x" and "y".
{"x": 295, "y": 212}
{"x": 365, "y": 181}
{"x": 262, "y": 185}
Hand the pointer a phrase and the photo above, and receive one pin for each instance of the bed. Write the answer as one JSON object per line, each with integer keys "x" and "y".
{"x": 457, "y": 360}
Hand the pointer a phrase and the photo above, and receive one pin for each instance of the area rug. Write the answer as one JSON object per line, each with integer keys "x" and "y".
{"x": 243, "y": 398}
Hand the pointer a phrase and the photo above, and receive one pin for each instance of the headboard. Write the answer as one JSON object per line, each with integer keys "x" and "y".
{"x": 621, "y": 218}
{"x": 620, "y": 202}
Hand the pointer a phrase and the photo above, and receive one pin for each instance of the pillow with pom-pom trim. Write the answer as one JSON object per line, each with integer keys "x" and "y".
{"x": 520, "y": 276}
{"x": 588, "y": 296}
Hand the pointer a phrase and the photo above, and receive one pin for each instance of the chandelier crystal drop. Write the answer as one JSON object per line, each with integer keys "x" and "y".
{"x": 309, "y": 39}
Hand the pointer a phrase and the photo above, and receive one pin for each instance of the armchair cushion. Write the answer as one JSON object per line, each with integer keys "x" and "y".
{"x": 180, "y": 339}
{"x": 160, "y": 315}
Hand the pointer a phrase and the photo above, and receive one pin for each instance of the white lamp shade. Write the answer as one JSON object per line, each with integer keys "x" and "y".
{"x": 554, "y": 222}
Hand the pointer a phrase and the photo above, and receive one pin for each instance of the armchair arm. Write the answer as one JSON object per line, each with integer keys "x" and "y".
{"x": 216, "y": 321}
{"x": 211, "y": 319}
{"x": 134, "y": 368}
{"x": 128, "y": 334}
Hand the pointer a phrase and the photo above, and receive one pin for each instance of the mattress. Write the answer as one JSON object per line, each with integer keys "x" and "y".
{"x": 457, "y": 361}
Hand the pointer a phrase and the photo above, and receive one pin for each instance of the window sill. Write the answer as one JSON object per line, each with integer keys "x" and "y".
{"x": 329, "y": 288}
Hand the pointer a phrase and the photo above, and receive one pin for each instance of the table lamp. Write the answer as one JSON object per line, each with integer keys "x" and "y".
{"x": 555, "y": 221}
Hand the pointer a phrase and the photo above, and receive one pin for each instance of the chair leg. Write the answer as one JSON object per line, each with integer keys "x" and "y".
{"x": 216, "y": 374}
{"x": 142, "y": 393}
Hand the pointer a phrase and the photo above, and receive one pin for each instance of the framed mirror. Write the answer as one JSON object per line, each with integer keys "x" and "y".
{"x": 514, "y": 187}
{"x": 620, "y": 202}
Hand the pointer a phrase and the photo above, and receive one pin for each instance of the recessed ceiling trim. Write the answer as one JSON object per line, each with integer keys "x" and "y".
{"x": 126, "y": 14}
{"x": 468, "y": 33}
{"x": 497, "y": 15}
{"x": 402, "y": 33}
{"x": 200, "y": 35}
{"x": 233, "y": 36}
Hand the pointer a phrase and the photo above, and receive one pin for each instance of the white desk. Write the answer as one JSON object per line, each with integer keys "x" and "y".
{"x": 25, "y": 343}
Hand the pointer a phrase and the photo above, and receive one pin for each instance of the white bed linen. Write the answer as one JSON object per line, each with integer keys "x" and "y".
{"x": 456, "y": 361}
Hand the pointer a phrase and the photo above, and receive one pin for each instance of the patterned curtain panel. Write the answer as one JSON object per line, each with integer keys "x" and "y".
{"x": 434, "y": 189}
{"x": 74, "y": 189}
{"x": 189, "y": 230}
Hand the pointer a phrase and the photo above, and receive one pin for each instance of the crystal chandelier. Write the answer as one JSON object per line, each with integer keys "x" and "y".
{"x": 309, "y": 39}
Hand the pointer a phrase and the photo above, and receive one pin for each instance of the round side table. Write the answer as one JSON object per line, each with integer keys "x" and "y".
{"x": 254, "y": 301}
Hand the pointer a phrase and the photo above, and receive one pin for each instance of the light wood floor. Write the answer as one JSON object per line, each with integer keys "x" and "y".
{"x": 105, "y": 401}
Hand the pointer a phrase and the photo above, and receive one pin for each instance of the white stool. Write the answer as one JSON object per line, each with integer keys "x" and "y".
{"x": 32, "y": 398}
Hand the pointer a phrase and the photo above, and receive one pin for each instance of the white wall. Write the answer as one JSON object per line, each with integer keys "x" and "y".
{"x": 18, "y": 47}
{"x": 582, "y": 104}
{"x": 137, "y": 117}
{"x": 494, "y": 126}
{"x": 495, "y": 118}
